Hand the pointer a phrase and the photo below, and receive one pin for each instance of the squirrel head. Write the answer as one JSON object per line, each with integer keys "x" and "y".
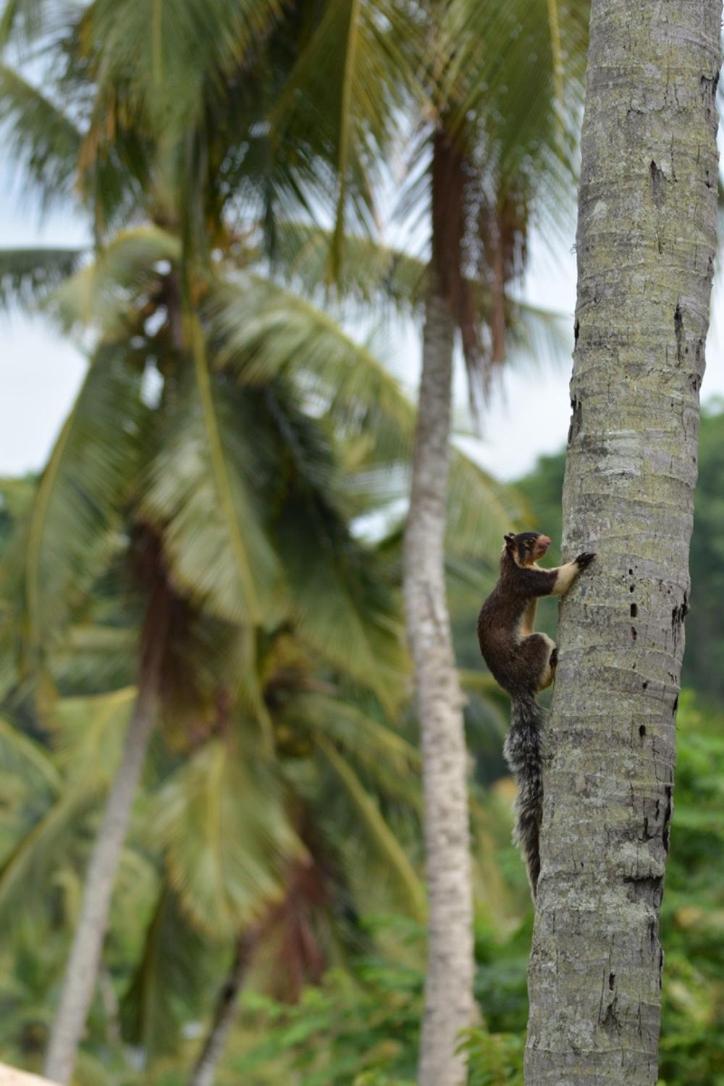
{"x": 525, "y": 548}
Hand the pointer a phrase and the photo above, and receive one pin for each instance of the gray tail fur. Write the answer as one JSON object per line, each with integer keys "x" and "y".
{"x": 523, "y": 753}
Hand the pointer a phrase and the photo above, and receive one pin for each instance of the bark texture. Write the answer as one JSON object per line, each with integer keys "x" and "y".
{"x": 204, "y": 1072}
{"x": 82, "y": 967}
{"x": 448, "y": 987}
{"x": 646, "y": 244}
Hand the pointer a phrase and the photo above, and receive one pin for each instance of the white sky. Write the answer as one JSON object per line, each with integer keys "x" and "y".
{"x": 527, "y": 415}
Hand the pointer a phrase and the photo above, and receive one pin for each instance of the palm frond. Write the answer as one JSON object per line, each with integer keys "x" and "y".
{"x": 344, "y": 100}
{"x": 164, "y": 988}
{"x": 259, "y": 330}
{"x": 388, "y": 761}
{"x": 44, "y": 848}
{"x": 223, "y": 826}
{"x": 371, "y": 273}
{"x": 380, "y": 833}
{"x": 104, "y": 294}
{"x": 387, "y": 278}
{"x": 25, "y": 22}
{"x": 43, "y": 142}
{"x": 27, "y": 276}
{"x": 92, "y": 657}
{"x": 81, "y": 494}
{"x": 90, "y": 732}
{"x": 332, "y": 579}
{"x": 478, "y": 509}
{"x": 367, "y": 740}
{"x": 23, "y": 757}
{"x": 539, "y": 336}
{"x": 218, "y": 550}
{"x": 164, "y": 63}
{"x": 519, "y": 68}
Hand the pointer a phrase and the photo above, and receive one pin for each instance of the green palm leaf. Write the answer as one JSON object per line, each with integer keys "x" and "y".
{"x": 375, "y": 745}
{"x": 120, "y": 278}
{"x": 339, "y": 600}
{"x": 27, "y": 276}
{"x": 344, "y": 99}
{"x": 260, "y": 331}
{"x": 519, "y": 69}
{"x": 227, "y": 840}
{"x": 24, "y": 21}
{"x": 164, "y": 987}
{"x": 81, "y": 494}
{"x": 167, "y": 60}
{"x": 23, "y": 757}
{"x": 218, "y": 549}
{"x": 44, "y": 848}
{"x": 479, "y": 507}
{"x": 386, "y": 278}
{"x": 90, "y": 732}
{"x": 371, "y": 274}
{"x": 40, "y": 138}
{"x": 388, "y": 760}
{"x": 380, "y": 833}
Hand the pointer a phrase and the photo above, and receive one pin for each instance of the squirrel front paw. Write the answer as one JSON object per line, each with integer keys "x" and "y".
{"x": 584, "y": 560}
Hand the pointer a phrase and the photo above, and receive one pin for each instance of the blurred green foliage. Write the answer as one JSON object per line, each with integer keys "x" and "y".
{"x": 360, "y": 1025}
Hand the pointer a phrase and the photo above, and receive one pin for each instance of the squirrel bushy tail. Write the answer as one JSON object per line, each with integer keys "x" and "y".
{"x": 523, "y": 753}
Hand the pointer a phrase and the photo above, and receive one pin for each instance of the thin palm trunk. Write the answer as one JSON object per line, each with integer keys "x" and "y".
{"x": 82, "y": 967}
{"x": 448, "y": 988}
{"x": 81, "y": 971}
{"x": 646, "y": 245}
{"x": 204, "y": 1072}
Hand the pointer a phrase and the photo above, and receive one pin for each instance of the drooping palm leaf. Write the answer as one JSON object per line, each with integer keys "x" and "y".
{"x": 344, "y": 100}
{"x": 43, "y": 142}
{"x": 27, "y": 276}
{"x": 23, "y": 757}
{"x": 104, "y": 294}
{"x": 167, "y": 60}
{"x": 24, "y": 22}
{"x": 258, "y": 330}
{"x": 223, "y": 825}
{"x": 164, "y": 987}
{"x": 478, "y": 509}
{"x": 81, "y": 494}
{"x": 91, "y": 732}
{"x": 371, "y": 274}
{"x": 340, "y": 604}
{"x": 518, "y": 68}
{"x": 218, "y": 551}
{"x": 385, "y": 278}
{"x": 389, "y": 761}
{"x": 382, "y": 836}
{"x": 44, "y": 848}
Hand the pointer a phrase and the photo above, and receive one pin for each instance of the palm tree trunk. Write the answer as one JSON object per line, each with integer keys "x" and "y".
{"x": 81, "y": 971}
{"x": 646, "y": 244}
{"x": 448, "y": 988}
{"x": 204, "y": 1072}
{"x": 82, "y": 967}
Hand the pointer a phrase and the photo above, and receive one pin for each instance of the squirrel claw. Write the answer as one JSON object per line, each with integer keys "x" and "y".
{"x": 584, "y": 560}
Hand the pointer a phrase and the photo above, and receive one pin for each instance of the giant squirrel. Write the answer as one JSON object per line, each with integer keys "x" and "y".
{"x": 524, "y": 662}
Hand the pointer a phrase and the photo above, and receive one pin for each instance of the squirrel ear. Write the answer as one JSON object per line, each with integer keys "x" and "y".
{"x": 509, "y": 537}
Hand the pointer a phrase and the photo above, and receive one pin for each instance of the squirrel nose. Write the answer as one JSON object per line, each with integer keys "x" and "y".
{"x": 545, "y": 540}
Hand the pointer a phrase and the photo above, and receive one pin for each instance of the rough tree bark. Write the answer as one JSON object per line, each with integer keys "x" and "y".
{"x": 646, "y": 244}
{"x": 448, "y": 986}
